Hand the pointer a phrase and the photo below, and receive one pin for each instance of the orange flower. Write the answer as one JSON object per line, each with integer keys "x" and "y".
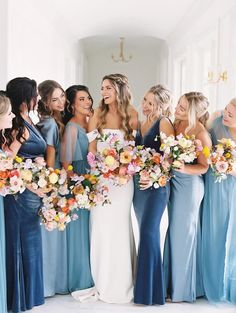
{"x": 156, "y": 159}
{"x": 65, "y": 209}
{"x": 125, "y": 157}
{"x": 2, "y": 184}
{"x": 3, "y": 174}
{"x": 162, "y": 181}
{"x": 78, "y": 190}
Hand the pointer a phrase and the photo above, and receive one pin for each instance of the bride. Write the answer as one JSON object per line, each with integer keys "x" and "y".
{"x": 112, "y": 242}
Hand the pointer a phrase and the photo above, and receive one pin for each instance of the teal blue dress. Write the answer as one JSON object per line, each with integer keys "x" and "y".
{"x": 182, "y": 259}
{"x": 3, "y": 296}
{"x": 219, "y": 231}
{"x": 55, "y": 242}
{"x": 78, "y": 248}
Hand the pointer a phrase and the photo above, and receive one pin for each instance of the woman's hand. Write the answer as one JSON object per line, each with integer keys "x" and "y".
{"x": 181, "y": 168}
{"x": 144, "y": 183}
{"x": 40, "y": 192}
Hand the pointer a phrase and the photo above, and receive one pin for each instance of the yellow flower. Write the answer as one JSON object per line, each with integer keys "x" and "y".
{"x": 56, "y": 218}
{"x": 26, "y": 175}
{"x": 70, "y": 168}
{"x": 53, "y": 178}
{"x": 228, "y": 155}
{"x": 125, "y": 157}
{"x": 18, "y": 159}
{"x": 206, "y": 152}
{"x": 109, "y": 160}
{"x": 57, "y": 171}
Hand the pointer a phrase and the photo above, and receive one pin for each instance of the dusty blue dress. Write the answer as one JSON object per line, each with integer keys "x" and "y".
{"x": 3, "y": 295}
{"x": 54, "y": 242}
{"x": 219, "y": 230}
{"x": 23, "y": 238}
{"x": 79, "y": 272}
{"x": 182, "y": 258}
{"x": 149, "y": 206}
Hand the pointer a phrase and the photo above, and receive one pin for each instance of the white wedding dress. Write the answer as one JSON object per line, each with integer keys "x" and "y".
{"x": 112, "y": 242}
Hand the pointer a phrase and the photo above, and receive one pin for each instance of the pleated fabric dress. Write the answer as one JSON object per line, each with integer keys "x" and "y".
{"x": 149, "y": 206}
{"x": 23, "y": 238}
{"x": 55, "y": 267}
{"x": 78, "y": 245}
{"x": 219, "y": 230}
{"x": 3, "y": 293}
{"x": 182, "y": 250}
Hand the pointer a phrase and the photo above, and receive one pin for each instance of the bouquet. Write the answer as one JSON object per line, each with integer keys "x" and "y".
{"x": 154, "y": 168}
{"x": 88, "y": 191}
{"x": 223, "y": 158}
{"x": 11, "y": 181}
{"x": 182, "y": 149}
{"x": 115, "y": 162}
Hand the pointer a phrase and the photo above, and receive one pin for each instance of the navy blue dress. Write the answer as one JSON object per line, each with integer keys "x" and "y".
{"x": 149, "y": 206}
{"x": 23, "y": 238}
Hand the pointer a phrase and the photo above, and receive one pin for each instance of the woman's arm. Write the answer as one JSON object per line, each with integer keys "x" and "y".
{"x": 202, "y": 166}
{"x": 166, "y": 127}
{"x": 50, "y": 156}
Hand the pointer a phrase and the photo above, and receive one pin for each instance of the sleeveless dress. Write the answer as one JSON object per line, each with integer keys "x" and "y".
{"x": 219, "y": 230}
{"x": 3, "y": 295}
{"x": 54, "y": 242}
{"x": 112, "y": 242}
{"x": 78, "y": 246}
{"x": 23, "y": 238}
{"x": 182, "y": 257}
{"x": 149, "y": 206}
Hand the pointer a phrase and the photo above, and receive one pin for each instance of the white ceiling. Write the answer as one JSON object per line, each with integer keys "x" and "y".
{"x": 85, "y": 18}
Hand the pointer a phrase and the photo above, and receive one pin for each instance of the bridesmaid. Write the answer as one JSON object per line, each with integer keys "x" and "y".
{"x": 23, "y": 232}
{"x": 181, "y": 260}
{"x": 6, "y": 117}
{"x": 149, "y": 204}
{"x": 50, "y": 108}
{"x": 219, "y": 220}
{"x": 74, "y": 151}
{"x": 112, "y": 242}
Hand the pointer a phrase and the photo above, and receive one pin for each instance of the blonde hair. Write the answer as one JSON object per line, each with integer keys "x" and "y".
{"x": 163, "y": 97}
{"x": 46, "y": 89}
{"x": 123, "y": 99}
{"x": 197, "y": 109}
{"x": 4, "y": 105}
{"x": 233, "y": 101}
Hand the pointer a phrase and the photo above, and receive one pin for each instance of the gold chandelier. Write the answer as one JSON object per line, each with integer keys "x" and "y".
{"x": 121, "y": 57}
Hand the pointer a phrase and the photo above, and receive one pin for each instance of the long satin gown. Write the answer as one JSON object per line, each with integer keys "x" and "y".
{"x": 219, "y": 230}
{"x": 112, "y": 242}
{"x": 55, "y": 267}
{"x": 3, "y": 294}
{"x": 149, "y": 206}
{"x": 23, "y": 238}
{"x": 78, "y": 245}
{"x": 182, "y": 251}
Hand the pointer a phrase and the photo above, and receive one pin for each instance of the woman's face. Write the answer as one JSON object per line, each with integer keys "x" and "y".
{"x": 108, "y": 92}
{"x": 229, "y": 118}
{"x": 83, "y": 103}
{"x": 6, "y": 120}
{"x": 149, "y": 105}
{"x": 58, "y": 100}
{"x": 181, "y": 110}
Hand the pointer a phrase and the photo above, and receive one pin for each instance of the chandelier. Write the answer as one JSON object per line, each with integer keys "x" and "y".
{"x": 121, "y": 57}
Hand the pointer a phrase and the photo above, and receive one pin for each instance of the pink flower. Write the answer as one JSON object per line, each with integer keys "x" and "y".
{"x": 122, "y": 170}
{"x": 91, "y": 159}
{"x": 222, "y": 166}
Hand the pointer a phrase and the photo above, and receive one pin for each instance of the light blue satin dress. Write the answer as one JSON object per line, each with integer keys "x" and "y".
{"x": 219, "y": 231}
{"x": 55, "y": 267}
{"x": 78, "y": 247}
{"x": 3, "y": 296}
{"x": 182, "y": 259}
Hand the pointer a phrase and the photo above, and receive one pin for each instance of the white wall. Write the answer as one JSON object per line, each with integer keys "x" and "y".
{"x": 3, "y": 43}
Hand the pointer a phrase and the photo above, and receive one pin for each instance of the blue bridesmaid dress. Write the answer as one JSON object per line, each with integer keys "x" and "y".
{"x": 219, "y": 231}
{"x": 3, "y": 295}
{"x": 182, "y": 257}
{"x": 149, "y": 206}
{"x": 78, "y": 247}
{"x": 23, "y": 238}
{"x": 54, "y": 242}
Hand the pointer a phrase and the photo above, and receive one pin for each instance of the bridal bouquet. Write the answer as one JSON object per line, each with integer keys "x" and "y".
{"x": 115, "y": 162}
{"x": 180, "y": 149}
{"x": 88, "y": 191}
{"x": 11, "y": 181}
{"x": 223, "y": 158}
{"x": 154, "y": 168}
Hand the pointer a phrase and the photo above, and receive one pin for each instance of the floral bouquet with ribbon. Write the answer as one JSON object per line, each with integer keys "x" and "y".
{"x": 222, "y": 158}
{"x": 154, "y": 169}
{"x": 116, "y": 162}
{"x": 180, "y": 149}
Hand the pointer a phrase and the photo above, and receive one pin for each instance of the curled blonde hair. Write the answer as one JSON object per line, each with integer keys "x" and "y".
{"x": 163, "y": 97}
{"x": 4, "y": 105}
{"x": 197, "y": 109}
{"x": 123, "y": 99}
{"x": 233, "y": 101}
